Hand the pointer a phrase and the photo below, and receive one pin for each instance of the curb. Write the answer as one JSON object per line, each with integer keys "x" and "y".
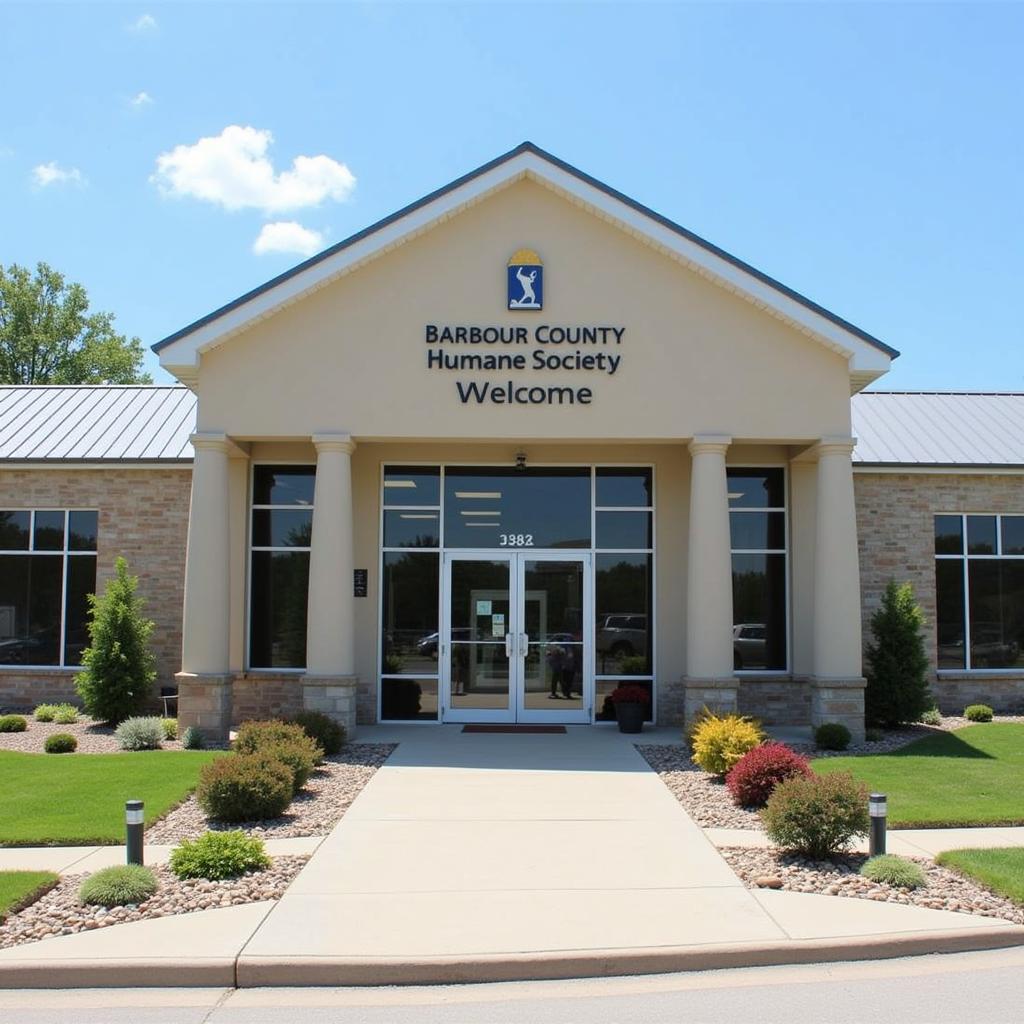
{"x": 256, "y": 972}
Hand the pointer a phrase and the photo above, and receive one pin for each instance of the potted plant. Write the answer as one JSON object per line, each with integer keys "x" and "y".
{"x": 630, "y": 703}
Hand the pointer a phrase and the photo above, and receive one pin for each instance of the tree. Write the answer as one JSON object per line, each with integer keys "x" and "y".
{"x": 897, "y": 666}
{"x": 119, "y": 667}
{"x": 48, "y": 335}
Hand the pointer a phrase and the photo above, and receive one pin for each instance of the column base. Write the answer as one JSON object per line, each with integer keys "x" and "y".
{"x": 335, "y": 696}
{"x": 719, "y": 696}
{"x": 204, "y": 701}
{"x": 839, "y": 700}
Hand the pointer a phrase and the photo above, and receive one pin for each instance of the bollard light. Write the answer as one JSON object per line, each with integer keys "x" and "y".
{"x": 878, "y": 811}
{"x": 134, "y": 818}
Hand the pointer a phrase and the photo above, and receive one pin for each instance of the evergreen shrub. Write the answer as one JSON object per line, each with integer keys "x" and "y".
{"x": 896, "y": 663}
{"x": 753, "y": 777}
{"x": 818, "y": 816}
{"x": 118, "y": 666}
{"x": 328, "y": 734}
{"x": 245, "y": 787}
{"x": 140, "y": 734}
{"x": 60, "y": 743}
{"x": 13, "y": 723}
{"x": 720, "y": 741}
{"x": 192, "y": 738}
{"x": 217, "y": 855}
{"x": 832, "y": 736}
{"x": 978, "y": 713}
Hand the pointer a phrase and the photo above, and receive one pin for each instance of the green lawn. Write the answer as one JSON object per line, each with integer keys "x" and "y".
{"x": 78, "y": 799}
{"x": 969, "y": 777}
{"x": 1001, "y": 870}
{"x": 16, "y": 888}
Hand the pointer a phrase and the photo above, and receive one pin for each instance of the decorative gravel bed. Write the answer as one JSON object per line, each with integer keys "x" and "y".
{"x": 93, "y": 738}
{"x": 314, "y": 812}
{"x": 58, "y": 912}
{"x": 946, "y": 890}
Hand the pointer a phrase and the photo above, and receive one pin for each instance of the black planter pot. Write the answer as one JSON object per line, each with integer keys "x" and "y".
{"x": 630, "y": 717}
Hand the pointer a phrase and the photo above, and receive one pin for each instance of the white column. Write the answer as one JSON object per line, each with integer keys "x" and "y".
{"x": 205, "y": 622}
{"x": 330, "y": 634}
{"x": 837, "y": 626}
{"x": 709, "y": 575}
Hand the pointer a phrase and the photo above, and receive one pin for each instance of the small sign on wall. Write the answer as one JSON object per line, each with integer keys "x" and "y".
{"x": 360, "y": 582}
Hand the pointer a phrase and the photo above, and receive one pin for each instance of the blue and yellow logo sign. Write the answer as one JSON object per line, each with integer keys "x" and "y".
{"x": 525, "y": 280}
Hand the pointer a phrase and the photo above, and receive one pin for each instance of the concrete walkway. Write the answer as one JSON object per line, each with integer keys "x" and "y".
{"x": 472, "y": 857}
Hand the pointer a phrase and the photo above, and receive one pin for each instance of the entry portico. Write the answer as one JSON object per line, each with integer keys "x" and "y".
{"x": 693, "y": 488}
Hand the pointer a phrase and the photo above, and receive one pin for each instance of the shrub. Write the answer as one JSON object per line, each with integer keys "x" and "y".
{"x": 246, "y": 787}
{"x": 253, "y": 736}
{"x": 45, "y": 712}
{"x": 978, "y": 713}
{"x": 718, "y": 743}
{"x": 192, "y": 739}
{"x": 299, "y": 756}
{"x": 933, "y": 716}
{"x": 140, "y": 734}
{"x": 13, "y": 723}
{"x": 753, "y": 777}
{"x": 117, "y": 886}
{"x": 896, "y": 664}
{"x": 60, "y": 743}
{"x": 170, "y": 728}
{"x": 832, "y": 736}
{"x": 328, "y": 734}
{"x": 818, "y": 815}
{"x": 894, "y": 871}
{"x": 217, "y": 855}
{"x": 874, "y": 735}
{"x": 119, "y": 668}
{"x": 65, "y": 714}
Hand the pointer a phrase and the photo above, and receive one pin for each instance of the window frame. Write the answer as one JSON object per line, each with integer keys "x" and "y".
{"x": 966, "y": 558}
{"x": 64, "y": 553}
{"x": 748, "y": 673}
{"x": 251, "y": 507}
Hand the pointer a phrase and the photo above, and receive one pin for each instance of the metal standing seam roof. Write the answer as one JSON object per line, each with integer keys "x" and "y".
{"x": 96, "y": 423}
{"x": 137, "y": 423}
{"x": 930, "y": 428}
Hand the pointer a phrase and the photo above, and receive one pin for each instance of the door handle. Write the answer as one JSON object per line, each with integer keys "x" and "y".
{"x": 508, "y": 645}
{"x": 524, "y": 639}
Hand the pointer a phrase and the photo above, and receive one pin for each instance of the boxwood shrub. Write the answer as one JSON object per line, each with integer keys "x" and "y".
{"x": 246, "y": 787}
{"x": 13, "y": 723}
{"x": 118, "y": 886}
{"x": 978, "y": 713}
{"x": 217, "y": 855}
{"x": 60, "y": 743}
{"x": 328, "y": 734}
{"x": 832, "y": 736}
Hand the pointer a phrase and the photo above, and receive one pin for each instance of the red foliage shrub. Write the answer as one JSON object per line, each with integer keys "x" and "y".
{"x": 753, "y": 777}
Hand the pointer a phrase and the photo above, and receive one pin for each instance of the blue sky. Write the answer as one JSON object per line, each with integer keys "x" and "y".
{"x": 867, "y": 154}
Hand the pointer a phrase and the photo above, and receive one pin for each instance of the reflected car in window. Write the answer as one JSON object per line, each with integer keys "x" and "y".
{"x": 749, "y": 645}
{"x": 622, "y": 634}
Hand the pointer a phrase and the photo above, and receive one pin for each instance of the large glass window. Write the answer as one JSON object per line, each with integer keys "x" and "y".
{"x": 281, "y": 534}
{"x": 757, "y": 527}
{"x": 47, "y": 567}
{"x": 979, "y": 590}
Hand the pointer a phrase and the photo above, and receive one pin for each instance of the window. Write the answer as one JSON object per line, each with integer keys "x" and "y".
{"x": 979, "y": 591}
{"x": 757, "y": 527}
{"x": 47, "y": 567}
{"x": 281, "y": 533}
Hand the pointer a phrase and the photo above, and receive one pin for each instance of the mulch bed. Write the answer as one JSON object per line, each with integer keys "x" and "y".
{"x": 58, "y": 911}
{"x": 314, "y": 812}
{"x": 945, "y": 889}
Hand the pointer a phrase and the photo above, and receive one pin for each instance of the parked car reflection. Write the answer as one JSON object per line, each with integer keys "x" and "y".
{"x": 749, "y": 645}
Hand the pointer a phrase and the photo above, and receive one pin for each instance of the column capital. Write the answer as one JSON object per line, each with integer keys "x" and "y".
{"x": 709, "y": 444}
{"x": 213, "y": 441}
{"x": 840, "y": 446}
{"x": 334, "y": 443}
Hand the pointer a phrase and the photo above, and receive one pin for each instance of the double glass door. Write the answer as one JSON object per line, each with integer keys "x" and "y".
{"x": 516, "y": 642}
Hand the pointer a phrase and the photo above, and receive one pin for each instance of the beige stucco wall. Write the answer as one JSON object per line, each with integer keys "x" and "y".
{"x": 695, "y": 357}
{"x": 143, "y": 515}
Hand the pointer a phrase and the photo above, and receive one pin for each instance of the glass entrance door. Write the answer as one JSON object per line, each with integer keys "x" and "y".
{"x": 517, "y": 638}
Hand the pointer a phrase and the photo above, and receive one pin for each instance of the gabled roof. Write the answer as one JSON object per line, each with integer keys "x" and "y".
{"x": 99, "y": 423}
{"x": 934, "y": 428}
{"x": 868, "y": 357}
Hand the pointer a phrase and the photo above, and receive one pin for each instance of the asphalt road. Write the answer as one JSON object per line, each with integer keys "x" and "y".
{"x": 966, "y": 988}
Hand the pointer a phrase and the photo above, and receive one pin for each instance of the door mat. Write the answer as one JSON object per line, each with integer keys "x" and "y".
{"x": 513, "y": 728}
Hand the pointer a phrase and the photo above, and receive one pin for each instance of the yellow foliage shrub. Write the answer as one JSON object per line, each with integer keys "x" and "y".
{"x": 719, "y": 742}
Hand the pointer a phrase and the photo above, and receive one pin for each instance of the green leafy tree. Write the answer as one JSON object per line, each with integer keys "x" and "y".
{"x": 119, "y": 667}
{"x": 48, "y": 335}
{"x": 897, "y": 665}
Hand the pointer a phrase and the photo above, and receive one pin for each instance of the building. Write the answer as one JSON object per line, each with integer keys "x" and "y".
{"x": 513, "y": 445}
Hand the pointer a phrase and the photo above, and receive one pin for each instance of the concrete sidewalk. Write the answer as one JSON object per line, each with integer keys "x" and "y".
{"x": 473, "y": 857}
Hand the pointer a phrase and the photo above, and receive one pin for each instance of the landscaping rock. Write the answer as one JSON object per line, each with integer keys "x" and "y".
{"x": 314, "y": 812}
{"x": 58, "y": 912}
{"x": 93, "y": 738}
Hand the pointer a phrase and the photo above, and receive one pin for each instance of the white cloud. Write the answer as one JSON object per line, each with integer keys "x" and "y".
{"x": 53, "y": 174}
{"x": 140, "y": 100}
{"x": 233, "y": 170}
{"x": 288, "y": 236}
{"x": 144, "y": 23}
